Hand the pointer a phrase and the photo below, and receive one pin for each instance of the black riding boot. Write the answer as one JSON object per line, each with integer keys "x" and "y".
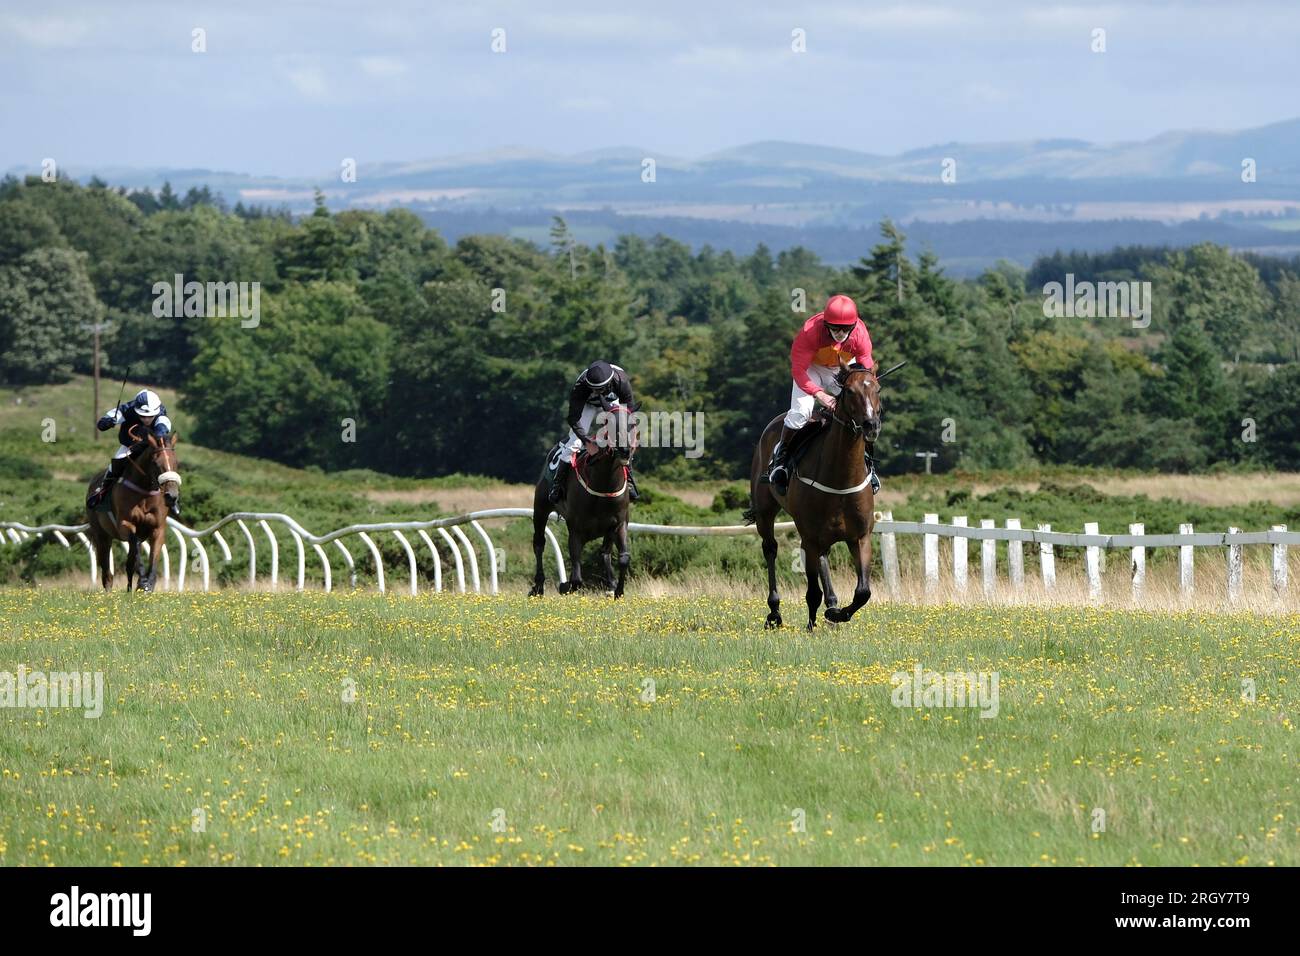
{"x": 871, "y": 468}
{"x": 114, "y": 472}
{"x": 557, "y": 483}
{"x": 777, "y": 471}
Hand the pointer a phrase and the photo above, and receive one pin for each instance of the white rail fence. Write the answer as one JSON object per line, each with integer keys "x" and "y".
{"x": 451, "y": 533}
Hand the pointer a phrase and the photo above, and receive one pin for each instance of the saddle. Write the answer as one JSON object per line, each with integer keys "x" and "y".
{"x": 802, "y": 440}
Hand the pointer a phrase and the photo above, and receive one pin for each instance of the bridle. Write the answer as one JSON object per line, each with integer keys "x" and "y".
{"x": 856, "y": 428}
{"x": 166, "y": 473}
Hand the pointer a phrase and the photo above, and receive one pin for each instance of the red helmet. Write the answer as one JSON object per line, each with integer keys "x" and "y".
{"x": 840, "y": 310}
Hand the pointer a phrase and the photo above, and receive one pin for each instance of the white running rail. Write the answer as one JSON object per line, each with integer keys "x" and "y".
{"x": 930, "y": 530}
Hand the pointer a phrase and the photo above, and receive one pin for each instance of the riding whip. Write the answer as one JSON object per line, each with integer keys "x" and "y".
{"x": 888, "y": 370}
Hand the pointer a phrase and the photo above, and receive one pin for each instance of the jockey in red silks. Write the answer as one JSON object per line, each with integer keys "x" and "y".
{"x": 815, "y": 364}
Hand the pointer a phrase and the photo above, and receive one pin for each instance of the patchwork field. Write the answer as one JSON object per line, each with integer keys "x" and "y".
{"x": 254, "y": 728}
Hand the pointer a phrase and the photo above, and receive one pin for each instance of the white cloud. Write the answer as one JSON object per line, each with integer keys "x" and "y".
{"x": 46, "y": 32}
{"x": 383, "y": 66}
{"x": 308, "y": 80}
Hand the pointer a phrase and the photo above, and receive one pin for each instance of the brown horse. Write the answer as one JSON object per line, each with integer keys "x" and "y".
{"x": 594, "y": 506}
{"x": 829, "y": 496}
{"x": 142, "y": 497}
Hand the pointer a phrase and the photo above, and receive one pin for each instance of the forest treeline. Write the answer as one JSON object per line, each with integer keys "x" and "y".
{"x": 458, "y": 357}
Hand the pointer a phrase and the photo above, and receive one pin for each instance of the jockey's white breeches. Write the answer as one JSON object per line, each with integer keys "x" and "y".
{"x": 801, "y": 403}
{"x": 122, "y": 452}
{"x": 573, "y": 443}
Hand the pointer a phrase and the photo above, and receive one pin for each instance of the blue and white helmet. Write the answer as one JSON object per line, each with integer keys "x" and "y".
{"x": 147, "y": 403}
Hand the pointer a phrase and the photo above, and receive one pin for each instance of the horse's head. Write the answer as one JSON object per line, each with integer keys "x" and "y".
{"x": 859, "y": 400}
{"x": 617, "y": 433}
{"x": 160, "y": 464}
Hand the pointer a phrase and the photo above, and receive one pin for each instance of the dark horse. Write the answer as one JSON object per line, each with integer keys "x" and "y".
{"x": 144, "y": 495}
{"x": 594, "y": 506}
{"x": 829, "y": 496}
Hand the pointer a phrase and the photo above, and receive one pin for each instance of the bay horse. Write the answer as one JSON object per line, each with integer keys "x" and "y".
{"x": 595, "y": 504}
{"x": 829, "y": 496}
{"x": 142, "y": 498}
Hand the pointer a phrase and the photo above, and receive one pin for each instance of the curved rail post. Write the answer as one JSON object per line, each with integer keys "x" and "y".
{"x": 324, "y": 565}
{"x": 203, "y": 562}
{"x": 347, "y": 559}
{"x": 183, "y": 560}
{"x": 252, "y": 552}
{"x": 90, "y": 548}
{"x": 559, "y": 555}
{"x": 469, "y": 550}
{"x": 437, "y": 561}
{"x": 275, "y": 553}
{"x": 455, "y": 550}
{"x": 302, "y": 558}
{"x": 491, "y": 552}
{"x": 221, "y": 542}
{"x": 410, "y": 558}
{"x": 167, "y": 565}
{"x": 379, "y": 561}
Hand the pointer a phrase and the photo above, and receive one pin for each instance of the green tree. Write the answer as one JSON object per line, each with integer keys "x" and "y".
{"x": 289, "y": 388}
{"x": 46, "y": 302}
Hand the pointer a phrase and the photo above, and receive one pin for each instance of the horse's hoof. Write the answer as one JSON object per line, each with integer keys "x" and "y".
{"x": 616, "y": 593}
{"x": 536, "y": 590}
{"x": 836, "y": 615}
{"x": 812, "y": 625}
{"x": 773, "y": 621}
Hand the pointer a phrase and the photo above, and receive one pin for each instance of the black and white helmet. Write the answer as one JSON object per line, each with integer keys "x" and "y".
{"x": 147, "y": 404}
{"x": 598, "y": 374}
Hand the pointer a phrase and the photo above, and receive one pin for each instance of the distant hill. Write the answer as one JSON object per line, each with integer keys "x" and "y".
{"x": 1066, "y": 193}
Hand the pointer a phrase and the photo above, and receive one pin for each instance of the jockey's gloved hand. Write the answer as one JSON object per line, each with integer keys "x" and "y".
{"x": 105, "y": 423}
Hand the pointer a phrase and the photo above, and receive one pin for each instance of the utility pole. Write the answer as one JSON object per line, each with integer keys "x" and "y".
{"x": 97, "y": 328}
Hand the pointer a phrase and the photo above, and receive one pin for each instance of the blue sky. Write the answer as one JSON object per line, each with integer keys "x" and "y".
{"x": 290, "y": 87}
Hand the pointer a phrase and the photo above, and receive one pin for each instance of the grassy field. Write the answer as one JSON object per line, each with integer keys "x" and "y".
{"x": 535, "y": 717}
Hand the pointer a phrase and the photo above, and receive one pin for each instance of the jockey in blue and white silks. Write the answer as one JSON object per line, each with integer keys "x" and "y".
{"x": 143, "y": 415}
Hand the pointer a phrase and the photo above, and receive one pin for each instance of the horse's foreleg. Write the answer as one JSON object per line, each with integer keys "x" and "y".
{"x": 575, "y": 563}
{"x": 624, "y": 558}
{"x": 150, "y": 577}
{"x": 132, "y": 556}
{"x": 861, "y": 551}
{"x": 813, "y": 569}
{"x": 773, "y": 595}
{"x": 607, "y": 561}
{"x": 539, "y": 545}
{"x": 103, "y": 546}
{"x": 824, "y": 569}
